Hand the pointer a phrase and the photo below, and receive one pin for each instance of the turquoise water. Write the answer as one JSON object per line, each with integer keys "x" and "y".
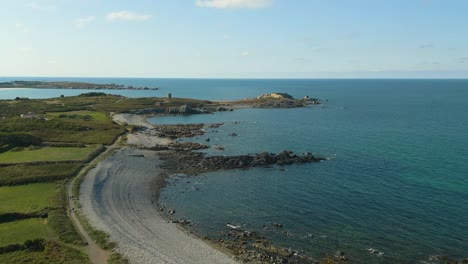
{"x": 396, "y": 180}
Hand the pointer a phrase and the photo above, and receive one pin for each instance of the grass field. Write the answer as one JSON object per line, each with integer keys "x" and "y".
{"x": 54, "y": 253}
{"x": 72, "y": 119}
{"x": 97, "y": 136}
{"x": 21, "y": 174}
{"x": 46, "y": 154}
{"x": 96, "y": 116}
{"x": 27, "y": 198}
{"x": 18, "y": 232}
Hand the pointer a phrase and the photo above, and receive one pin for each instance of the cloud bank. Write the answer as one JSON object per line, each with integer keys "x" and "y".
{"x": 252, "y": 4}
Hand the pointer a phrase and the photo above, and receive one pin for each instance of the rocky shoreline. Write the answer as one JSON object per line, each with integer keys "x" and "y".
{"x": 176, "y": 158}
{"x": 194, "y": 163}
{"x": 180, "y": 159}
{"x": 246, "y": 246}
{"x": 209, "y": 107}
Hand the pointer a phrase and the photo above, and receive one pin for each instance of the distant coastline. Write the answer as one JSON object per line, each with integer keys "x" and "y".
{"x": 71, "y": 85}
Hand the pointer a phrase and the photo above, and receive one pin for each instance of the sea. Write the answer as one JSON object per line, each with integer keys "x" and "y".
{"x": 395, "y": 179}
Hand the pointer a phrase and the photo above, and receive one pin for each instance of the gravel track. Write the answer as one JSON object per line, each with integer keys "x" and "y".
{"x": 117, "y": 198}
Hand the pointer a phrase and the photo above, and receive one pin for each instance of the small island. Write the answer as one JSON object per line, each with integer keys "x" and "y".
{"x": 71, "y": 85}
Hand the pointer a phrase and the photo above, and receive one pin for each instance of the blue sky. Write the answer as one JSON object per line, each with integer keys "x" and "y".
{"x": 235, "y": 38}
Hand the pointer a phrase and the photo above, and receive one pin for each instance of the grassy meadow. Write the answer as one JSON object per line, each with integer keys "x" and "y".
{"x": 80, "y": 115}
{"x": 53, "y": 253}
{"x": 28, "y": 198}
{"x": 46, "y": 154}
{"x": 64, "y": 129}
{"x": 17, "y": 232}
{"x": 27, "y": 173}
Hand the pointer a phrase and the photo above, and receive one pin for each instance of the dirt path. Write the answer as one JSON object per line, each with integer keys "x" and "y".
{"x": 95, "y": 253}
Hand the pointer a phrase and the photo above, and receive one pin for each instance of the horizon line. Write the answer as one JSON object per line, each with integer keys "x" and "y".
{"x": 251, "y": 78}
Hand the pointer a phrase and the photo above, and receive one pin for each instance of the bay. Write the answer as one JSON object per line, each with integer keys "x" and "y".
{"x": 396, "y": 179}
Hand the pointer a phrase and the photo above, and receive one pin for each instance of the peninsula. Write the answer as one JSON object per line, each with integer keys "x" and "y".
{"x": 71, "y": 85}
{"x": 62, "y": 147}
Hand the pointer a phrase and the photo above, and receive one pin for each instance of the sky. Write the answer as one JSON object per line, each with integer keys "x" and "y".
{"x": 234, "y": 38}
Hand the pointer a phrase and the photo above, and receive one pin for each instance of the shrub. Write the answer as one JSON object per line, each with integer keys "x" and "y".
{"x": 35, "y": 245}
{"x": 18, "y": 139}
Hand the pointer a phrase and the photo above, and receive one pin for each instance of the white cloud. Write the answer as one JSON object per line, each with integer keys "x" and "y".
{"x": 35, "y": 5}
{"x": 233, "y": 3}
{"x": 83, "y": 21}
{"x": 245, "y": 54}
{"x": 127, "y": 16}
{"x": 227, "y": 36}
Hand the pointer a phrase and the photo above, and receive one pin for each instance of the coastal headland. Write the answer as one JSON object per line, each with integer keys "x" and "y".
{"x": 119, "y": 190}
{"x": 71, "y": 85}
{"x": 123, "y": 190}
{"x": 119, "y": 163}
{"x": 152, "y": 154}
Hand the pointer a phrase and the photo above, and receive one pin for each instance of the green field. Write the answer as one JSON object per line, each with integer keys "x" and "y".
{"x": 18, "y": 232}
{"x": 98, "y": 136}
{"x": 54, "y": 253}
{"x": 46, "y": 154}
{"x": 29, "y": 189}
{"x": 21, "y": 173}
{"x": 27, "y": 198}
{"x": 96, "y": 116}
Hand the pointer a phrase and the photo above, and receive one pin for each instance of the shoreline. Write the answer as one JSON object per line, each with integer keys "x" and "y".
{"x": 118, "y": 197}
{"x": 121, "y": 197}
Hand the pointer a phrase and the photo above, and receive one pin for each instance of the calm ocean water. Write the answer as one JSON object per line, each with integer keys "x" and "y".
{"x": 396, "y": 181}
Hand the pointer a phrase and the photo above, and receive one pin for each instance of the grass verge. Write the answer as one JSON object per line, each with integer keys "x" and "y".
{"x": 117, "y": 258}
{"x": 61, "y": 223}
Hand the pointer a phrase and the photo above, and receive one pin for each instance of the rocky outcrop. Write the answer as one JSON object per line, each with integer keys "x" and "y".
{"x": 285, "y": 103}
{"x": 187, "y": 146}
{"x": 193, "y": 163}
{"x": 180, "y": 130}
{"x": 276, "y": 96}
{"x": 186, "y": 110}
{"x": 183, "y": 130}
{"x": 282, "y": 100}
